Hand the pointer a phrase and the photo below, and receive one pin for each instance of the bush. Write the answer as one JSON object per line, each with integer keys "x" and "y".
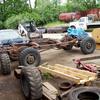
{"x": 49, "y": 14}
{"x": 1, "y": 24}
{"x": 41, "y": 16}
{"x": 14, "y": 20}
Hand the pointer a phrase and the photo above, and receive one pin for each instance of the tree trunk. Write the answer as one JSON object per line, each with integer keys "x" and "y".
{"x": 35, "y": 4}
{"x": 30, "y": 4}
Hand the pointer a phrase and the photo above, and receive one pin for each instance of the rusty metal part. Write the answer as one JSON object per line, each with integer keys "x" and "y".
{"x": 81, "y": 65}
{"x": 90, "y": 67}
{"x": 38, "y": 43}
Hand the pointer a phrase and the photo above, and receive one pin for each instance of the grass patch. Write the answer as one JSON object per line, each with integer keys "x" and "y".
{"x": 46, "y": 76}
{"x": 55, "y": 24}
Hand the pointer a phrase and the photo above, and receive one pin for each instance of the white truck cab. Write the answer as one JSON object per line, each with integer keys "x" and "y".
{"x": 82, "y": 22}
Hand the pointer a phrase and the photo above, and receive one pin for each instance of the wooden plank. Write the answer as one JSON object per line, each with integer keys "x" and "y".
{"x": 70, "y": 72}
{"x": 77, "y": 70}
{"x": 62, "y": 75}
{"x": 50, "y": 87}
{"x": 92, "y": 76}
{"x": 77, "y": 74}
{"x": 49, "y": 91}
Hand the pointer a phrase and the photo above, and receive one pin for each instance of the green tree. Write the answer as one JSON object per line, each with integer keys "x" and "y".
{"x": 10, "y": 7}
{"x": 41, "y": 3}
{"x": 56, "y": 2}
{"x": 85, "y": 4}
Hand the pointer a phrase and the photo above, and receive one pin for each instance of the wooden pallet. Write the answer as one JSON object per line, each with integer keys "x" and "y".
{"x": 69, "y": 73}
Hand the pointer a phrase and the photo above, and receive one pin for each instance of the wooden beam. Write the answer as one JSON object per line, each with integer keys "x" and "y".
{"x": 76, "y": 75}
{"x": 62, "y": 75}
{"x": 49, "y": 91}
{"x": 50, "y": 87}
{"x": 72, "y": 73}
{"x": 77, "y": 70}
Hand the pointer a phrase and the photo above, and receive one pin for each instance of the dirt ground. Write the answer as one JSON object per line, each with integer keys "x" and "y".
{"x": 10, "y": 87}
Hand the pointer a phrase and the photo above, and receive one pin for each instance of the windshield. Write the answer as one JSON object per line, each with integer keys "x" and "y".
{"x": 9, "y": 34}
{"x": 82, "y": 20}
{"x": 10, "y": 37}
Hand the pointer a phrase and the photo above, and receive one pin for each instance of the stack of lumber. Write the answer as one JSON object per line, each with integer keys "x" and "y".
{"x": 76, "y": 75}
{"x": 49, "y": 91}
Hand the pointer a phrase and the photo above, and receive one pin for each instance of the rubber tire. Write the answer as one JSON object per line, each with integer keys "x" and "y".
{"x": 66, "y": 85}
{"x": 16, "y": 58}
{"x": 32, "y": 77}
{"x": 5, "y": 64}
{"x": 69, "y": 47}
{"x": 34, "y": 53}
{"x": 84, "y": 48}
{"x": 73, "y": 94}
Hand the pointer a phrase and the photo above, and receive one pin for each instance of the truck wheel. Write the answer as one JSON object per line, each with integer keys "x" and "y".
{"x": 19, "y": 50}
{"x": 88, "y": 45}
{"x": 5, "y": 64}
{"x": 84, "y": 93}
{"x": 29, "y": 57}
{"x": 68, "y": 47}
{"x": 31, "y": 83}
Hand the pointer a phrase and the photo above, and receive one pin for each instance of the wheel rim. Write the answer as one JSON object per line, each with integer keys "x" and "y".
{"x": 30, "y": 59}
{"x": 89, "y": 45}
{"x": 25, "y": 86}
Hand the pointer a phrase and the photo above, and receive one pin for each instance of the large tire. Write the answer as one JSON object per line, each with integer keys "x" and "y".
{"x": 19, "y": 50}
{"x": 5, "y": 64}
{"x": 84, "y": 93}
{"x": 68, "y": 47}
{"x": 29, "y": 57}
{"x": 31, "y": 83}
{"x": 88, "y": 45}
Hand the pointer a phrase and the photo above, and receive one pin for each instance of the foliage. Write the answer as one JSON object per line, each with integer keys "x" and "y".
{"x": 41, "y": 17}
{"x": 54, "y": 24}
{"x": 86, "y": 4}
{"x": 1, "y": 24}
{"x": 14, "y": 20}
{"x": 41, "y": 4}
{"x": 46, "y": 11}
{"x": 46, "y": 76}
{"x": 50, "y": 13}
{"x": 10, "y": 7}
